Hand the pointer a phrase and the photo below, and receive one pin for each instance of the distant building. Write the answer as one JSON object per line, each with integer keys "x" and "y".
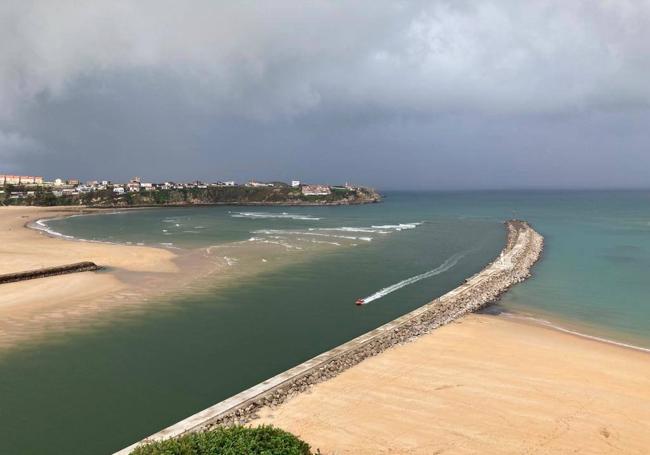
{"x": 58, "y": 182}
{"x": 6, "y": 179}
{"x": 316, "y": 190}
{"x": 146, "y": 186}
{"x": 229, "y": 183}
{"x": 118, "y": 190}
{"x": 73, "y": 182}
{"x": 134, "y": 185}
{"x": 295, "y": 183}
{"x": 255, "y": 184}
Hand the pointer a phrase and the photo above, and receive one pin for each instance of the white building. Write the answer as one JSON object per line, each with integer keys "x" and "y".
{"x": 295, "y": 183}
{"x": 229, "y": 183}
{"x": 316, "y": 190}
{"x": 118, "y": 190}
{"x": 255, "y": 184}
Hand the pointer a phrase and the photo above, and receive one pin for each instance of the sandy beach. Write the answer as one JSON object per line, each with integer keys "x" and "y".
{"x": 29, "y": 306}
{"x": 132, "y": 274}
{"x": 485, "y": 384}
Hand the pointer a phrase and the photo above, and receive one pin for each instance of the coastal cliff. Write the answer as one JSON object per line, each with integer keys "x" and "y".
{"x": 522, "y": 250}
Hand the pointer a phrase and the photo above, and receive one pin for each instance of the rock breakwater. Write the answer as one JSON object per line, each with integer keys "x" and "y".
{"x": 523, "y": 248}
{"x": 49, "y": 271}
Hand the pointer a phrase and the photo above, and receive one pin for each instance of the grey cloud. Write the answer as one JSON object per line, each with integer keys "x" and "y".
{"x": 394, "y": 93}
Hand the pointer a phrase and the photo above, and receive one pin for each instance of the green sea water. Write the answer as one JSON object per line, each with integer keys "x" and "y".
{"x": 96, "y": 389}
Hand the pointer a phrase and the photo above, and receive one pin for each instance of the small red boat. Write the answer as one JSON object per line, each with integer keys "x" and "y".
{"x": 359, "y": 302}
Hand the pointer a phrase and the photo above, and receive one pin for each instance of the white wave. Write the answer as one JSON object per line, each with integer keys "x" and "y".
{"x": 448, "y": 264}
{"x": 279, "y": 241}
{"x": 284, "y": 244}
{"x": 269, "y": 215}
{"x": 41, "y": 225}
{"x": 230, "y": 261}
{"x": 368, "y": 230}
{"x": 375, "y": 229}
{"x": 398, "y": 227}
{"x": 272, "y": 232}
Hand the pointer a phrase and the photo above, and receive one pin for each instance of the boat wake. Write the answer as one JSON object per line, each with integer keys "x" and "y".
{"x": 448, "y": 264}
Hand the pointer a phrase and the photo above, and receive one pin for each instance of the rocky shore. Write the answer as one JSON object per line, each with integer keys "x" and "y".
{"x": 522, "y": 250}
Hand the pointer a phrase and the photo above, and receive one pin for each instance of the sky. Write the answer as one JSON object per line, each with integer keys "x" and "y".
{"x": 392, "y": 94}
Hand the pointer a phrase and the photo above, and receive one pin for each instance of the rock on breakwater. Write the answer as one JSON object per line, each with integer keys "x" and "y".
{"x": 49, "y": 271}
{"x": 523, "y": 248}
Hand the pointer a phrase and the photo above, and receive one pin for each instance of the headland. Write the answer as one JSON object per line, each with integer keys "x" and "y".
{"x": 136, "y": 193}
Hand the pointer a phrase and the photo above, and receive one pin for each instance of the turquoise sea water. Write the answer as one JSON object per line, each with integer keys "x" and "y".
{"x": 100, "y": 388}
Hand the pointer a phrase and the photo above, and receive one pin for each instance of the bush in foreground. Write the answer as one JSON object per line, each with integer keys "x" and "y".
{"x": 236, "y": 440}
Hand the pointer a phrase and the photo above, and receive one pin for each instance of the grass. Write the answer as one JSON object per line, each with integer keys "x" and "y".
{"x": 235, "y": 440}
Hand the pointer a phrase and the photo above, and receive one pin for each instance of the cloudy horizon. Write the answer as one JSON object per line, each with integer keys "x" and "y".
{"x": 391, "y": 94}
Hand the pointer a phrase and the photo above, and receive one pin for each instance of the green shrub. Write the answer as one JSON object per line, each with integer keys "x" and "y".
{"x": 236, "y": 440}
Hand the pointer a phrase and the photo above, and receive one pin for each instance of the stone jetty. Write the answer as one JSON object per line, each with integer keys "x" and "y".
{"x": 49, "y": 271}
{"x": 522, "y": 250}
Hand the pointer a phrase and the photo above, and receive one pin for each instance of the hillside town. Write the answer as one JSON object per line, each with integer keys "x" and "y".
{"x": 24, "y": 189}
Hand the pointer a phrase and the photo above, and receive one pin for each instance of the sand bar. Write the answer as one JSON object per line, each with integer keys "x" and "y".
{"x": 26, "y": 307}
{"x": 484, "y": 384}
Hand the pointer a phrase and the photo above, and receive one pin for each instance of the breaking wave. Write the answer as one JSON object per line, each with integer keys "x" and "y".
{"x": 41, "y": 225}
{"x": 448, "y": 264}
{"x": 269, "y": 215}
{"x": 270, "y": 232}
{"x": 374, "y": 229}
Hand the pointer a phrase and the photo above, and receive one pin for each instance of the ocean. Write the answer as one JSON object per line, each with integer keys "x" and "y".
{"x": 100, "y": 387}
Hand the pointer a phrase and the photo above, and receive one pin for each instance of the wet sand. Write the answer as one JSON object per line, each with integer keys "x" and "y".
{"x": 134, "y": 277}
{"x": 25, "y": 306}
{"x": 485, "y": 384}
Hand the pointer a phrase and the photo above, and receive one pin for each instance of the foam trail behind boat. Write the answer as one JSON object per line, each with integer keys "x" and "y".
{"x": 448, "y": 264}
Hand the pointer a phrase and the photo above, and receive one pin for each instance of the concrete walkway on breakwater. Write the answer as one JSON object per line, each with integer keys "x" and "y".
{"x": 523, "y": 248}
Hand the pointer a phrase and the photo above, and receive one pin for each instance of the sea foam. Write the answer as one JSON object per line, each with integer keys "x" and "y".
{"x": 269, "y": 215}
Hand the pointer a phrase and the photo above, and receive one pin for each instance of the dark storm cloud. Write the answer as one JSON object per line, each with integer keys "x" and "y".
{"x": 396, "y": 94}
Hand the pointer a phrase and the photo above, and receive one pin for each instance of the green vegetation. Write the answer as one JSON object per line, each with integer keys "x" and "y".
{"x": 279, "y": 194}
{"x": 237, "y": 440}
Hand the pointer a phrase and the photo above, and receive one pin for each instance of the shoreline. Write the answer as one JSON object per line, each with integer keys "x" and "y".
{"x": 134, "y": 275}
{"x": 534, "y": 319}
{"x": 522, "y": 250}
{"x": 33, "y": 308}
{"x": 539, "y": 322}
{"x": 455, "y": 389}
